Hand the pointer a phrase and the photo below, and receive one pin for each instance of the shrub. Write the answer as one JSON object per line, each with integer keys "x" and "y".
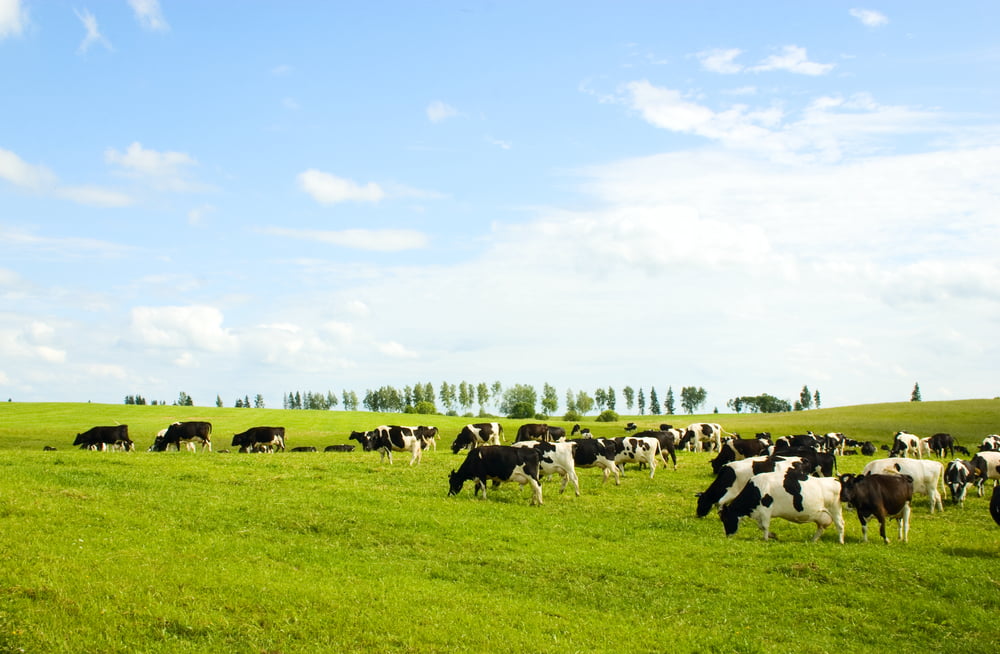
{"x": 608, "y": 415}
{"x": 572, "y": 416}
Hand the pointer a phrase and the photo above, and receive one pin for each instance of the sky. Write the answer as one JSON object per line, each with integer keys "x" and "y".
{"x": 229, "y": 199}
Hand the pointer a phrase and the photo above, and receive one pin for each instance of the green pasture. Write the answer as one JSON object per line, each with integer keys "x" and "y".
{"x": 339, "y": 552}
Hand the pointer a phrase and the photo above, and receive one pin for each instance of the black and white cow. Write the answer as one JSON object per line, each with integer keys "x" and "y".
{"x": 303, "y": 448}
{"x": 555, "y": 434}
{"x": 986, "y": 465}
{"x": 791, "y": 495}
{"x": 735, "y": 449}
{"x": 498, "y": 463}
{"x": 880, "y": 495}
{"x": 393, "y": 438}
{"x": 990, "y": 444}
{"x": 188, "y": 433}
{"x": 958, "y": 474}
{"x": 941, "y": 443}
{"x": 926, "y": 475}
{"x": 338, "y": 448}
{"x": 631, "y": 427}
{"x": 556, "y": 459}
{"x": 428, "y": 435}
{"x": 105, "y": 438}
{"x": 480, "y": 433}
{"x": 905, "y": 445}
{"x": 533, "y": 431}
{"x": 733, "y": 477}
{"x": 632, "y": 449}
{"x": 597, "y": 453}
{"x": 259, "y": 439}
{"x": 702, "y": 432}
{"x": 667, "y": 443}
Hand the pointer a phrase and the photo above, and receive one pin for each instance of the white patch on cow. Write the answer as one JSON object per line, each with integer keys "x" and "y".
{"x": 927, "y": 475}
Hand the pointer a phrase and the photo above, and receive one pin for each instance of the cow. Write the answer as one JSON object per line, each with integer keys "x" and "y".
{"x": 926, "y": 475}
{"x": 868, "y": 448}
{"x": 189, "y": 433}
{"x": 555, "y": 434}
{"x": 880, "y": 495}
{"x": 556, "y": 458}
{"x": 631, "y": 449}
{"x": 832, "y": 442}
{"x": 699, "y": 432}
{"x": 986, "y": 465}
{"x": 995, "y": 504}
{"x": 630, "y": 427}
{"x": 338, "y": 448}
{"x": 666, "y": 440}
{"x": 597, "y": 452}
{"x": 532, "y": 431}
{"x": 735, "y": 449}
{"x": 820, "y": 463}
{"x": 791, "y": 495}
{"x": 303, "y": 448}
{"x": 364, "y": 439}
{"x": 990, "y": 444}
{"x": 480, "y": 433}
{"x": 393, "y": 438}
{"x": 795, "y": 441}
{"x": 257, "y": 439}
{"x": 103, "y": 438}
{"x": 428, "y": 435}
{"x": 904, "y": 444}
{"x": 576, "y": 430}
{"x": 498, "y": 463}
{"x": 958, "y": 474}
{"x": 734, "y": 476}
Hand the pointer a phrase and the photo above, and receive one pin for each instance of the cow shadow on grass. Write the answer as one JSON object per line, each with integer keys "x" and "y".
{"x": 969, "y": 553}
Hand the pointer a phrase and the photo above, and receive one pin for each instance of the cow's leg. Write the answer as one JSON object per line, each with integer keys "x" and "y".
{"x": 652, "y": 466}
{"x": 536, "y": 497}
{"x": 904, "y": 524}
{"x": 576, "y": 482}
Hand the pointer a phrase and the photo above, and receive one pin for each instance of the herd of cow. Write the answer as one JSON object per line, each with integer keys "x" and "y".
{"x": 792, "y": 477}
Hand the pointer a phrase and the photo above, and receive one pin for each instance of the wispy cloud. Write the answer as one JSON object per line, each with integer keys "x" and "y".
{"x": 792, "y": 59}
{"x": 93, "y": 32}
{"x": 438, "y": 111}
{"x": 167, "y": 171}
{"x": 503, "y": 145}
{"x": 13, "y": 18}
{"x": 149, "y": 15}
{"x": 330, "y": 189}
{"x": 869, "y": 17}
{"x": 40, "y": 179}
{"x": 721, "y": 61}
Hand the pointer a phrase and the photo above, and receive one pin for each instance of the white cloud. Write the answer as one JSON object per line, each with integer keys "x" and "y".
{"x": 330, "y": 189}
{"x": 870, "y": 18}
{"x": 503, "y": 145}
{"x": 163, "y": 170}
{"x": 438, "y": 111}
{"x": 149, "y": 15}
{"x": 95, "y": 196}
{"x": 13, "y": 18}
{"x": 376, "y": 240}
{"x": 181, "y": 327}
{"x": 395, "y": 350}
{"x": 20, "y": 173}
{"x": 721, "y": 61}
{"x": 93, "y": 32}
{"x": 794, "y": 60}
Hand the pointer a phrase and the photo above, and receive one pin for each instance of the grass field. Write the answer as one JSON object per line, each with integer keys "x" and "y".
{"x": 338, "y": 552}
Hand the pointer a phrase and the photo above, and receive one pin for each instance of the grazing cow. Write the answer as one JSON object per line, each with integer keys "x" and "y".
{"x": 995, "y": 504}
{"x": 597, "y": 452}
{"x": 393, "y": 438}
{"x": 735, "y": 449}
{"x": 667, "y": 441}
{"x": 734, "y": 476}
{"x": 665, "y": 427}
{"x": 795, "y": 441}
{"x": 532, "y": 431}
{"x": 990, "y": 444}
{"x": 791, "y": 495}
{"x": 257, "y": 439}
{"x": 832, "y": 442}
{"x": 303, "y": 448}
{"x": 189, "y": 433}
{"x": 428, "y": 435}
{"x": 986, "y": 465}
{"x": 103, "y": 438}
{"x": 48, "y": 448}
{"x": 480, "y": 433}
{"x": 498, "y": 463}
{"x": 558, "y": 459}
{"x": 926, "y": 475}
{"x": 556, "y": 435}
{"x": 631, "y": 449}
{"x": 958, "y": 474}
{"x": 868, "y": 448}
{"x": 631, "y": 427}
{"x": 904, "y": 444}
{"x": 702, "y": 432}
{"x": 338, "y": 448}
{"x": 880, "y": 495}
{"x": 962, "y": 450}
{"x": 576, "y": 430}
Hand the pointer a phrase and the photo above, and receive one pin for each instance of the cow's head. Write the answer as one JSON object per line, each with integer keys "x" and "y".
{"x": 362, "y": 437}
{"x": 455, "y": 483}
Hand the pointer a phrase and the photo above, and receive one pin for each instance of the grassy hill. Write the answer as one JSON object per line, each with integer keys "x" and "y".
{"x": 337, "y": 552}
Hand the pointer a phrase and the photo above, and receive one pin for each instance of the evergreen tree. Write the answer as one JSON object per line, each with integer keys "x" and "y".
{"x": 642, "y": 402}
{"x": 805, "y": 398}
{"x": 654, "y": 402}
{"x": 669, "y": 403}
{"x": 915, "y": 395}
{"x": 816, "y": 398}
{"x": 611, "y": 398}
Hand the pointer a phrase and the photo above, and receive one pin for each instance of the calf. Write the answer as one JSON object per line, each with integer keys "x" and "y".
{"x": 958, "y": 474}
{"x": 926, "y": 475}
{"x": 905, "y": 444}
{"x": 791, "y": 495}
{"x": 498, "y": 463}
{"x": 597, "y": 452}
{"x": 556, "y": 458}
{"x": 630, "y": 449}
{"x": 880, "y": 495}
{"x": 303, "y": 448}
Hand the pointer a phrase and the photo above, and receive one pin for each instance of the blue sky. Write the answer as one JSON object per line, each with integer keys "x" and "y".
{"x": 239, "y": 198}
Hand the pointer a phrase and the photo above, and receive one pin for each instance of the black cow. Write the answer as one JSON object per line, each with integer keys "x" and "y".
{"x": 102, "y": 438}
{"x": 338, "y": 448}
{"x": 882, "y": 496}
{"x": 533, "y": 431}
{"x": 192, "y": 432}
{"x": 939, "y": 443}
{"x": 995, "y": 504}
{"x": 257, "y": 439}
{"x": 480, "y": 433}
{"x": 498, "y": 463}
{"x": 303, "y": 448}
{"x": 364, "y": 438}
{"x": 631, "y": 427}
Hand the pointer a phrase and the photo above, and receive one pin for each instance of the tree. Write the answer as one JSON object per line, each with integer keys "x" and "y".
{"x": 550, "y": 399}
{"x": 816, "y": 398}
{"x": 642, "y": 402}
{"x": 184, "y": 400}
{"x": 805, "y": 398}
{"x": 519, "y": 401}
{"x": 465, "y": 395}
{"x": 668, "y": 404}
{"x": 692, "y": 398}
{"x": 611, "y": 398}
{"x": 584, "y": 403}
{"x": 496, "y": 390}
{"x": 629, "y": 394}
{"x": 483, "y": 395}
{"x": 570, "y": 401}
{"x": 600, "y": 398}
{"x": 762, "y": 403}
{"x": 654, "y": 402}
{"x": 218, "y": 401}
{"x": 915, "y": 395}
